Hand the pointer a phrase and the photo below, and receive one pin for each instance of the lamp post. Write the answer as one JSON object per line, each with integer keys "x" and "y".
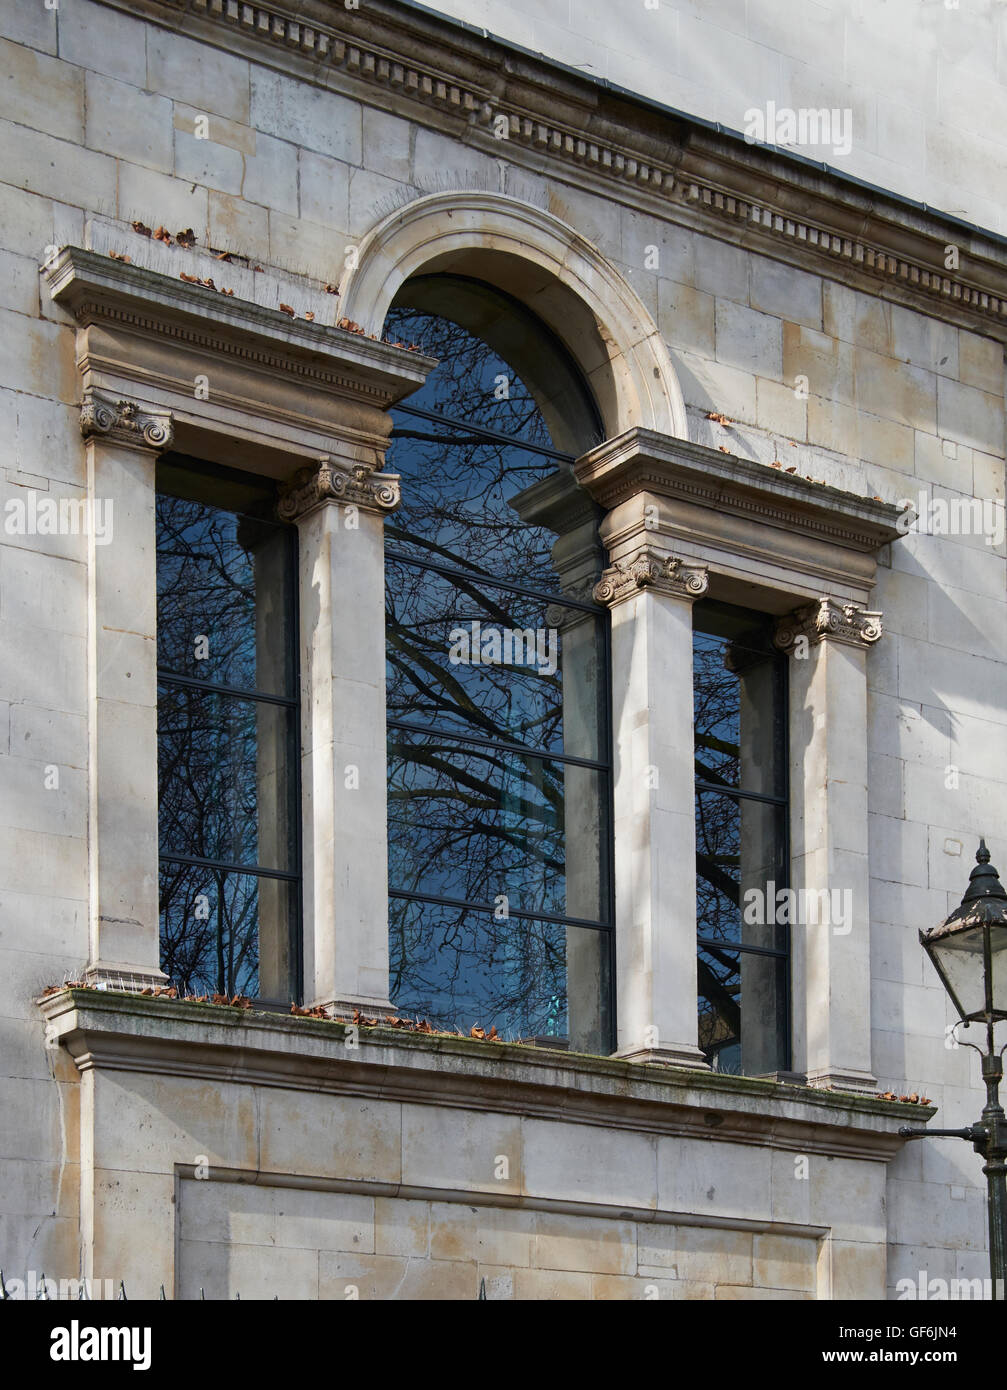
{"x": 969, "y": 953}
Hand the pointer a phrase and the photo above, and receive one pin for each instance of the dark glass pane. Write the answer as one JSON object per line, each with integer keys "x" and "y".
{"x": 470, "y": 657}
{"x": 520, "y": 833}
{"x": 490, "y": 508}
{"x": 528, "y": 979}
{"x": 226, "y": 778}
{"x": 226, "y": 933}
{"x": 743, "y": 1011}
{"x": 471, "y": 382}
{"x": 739, "y": 701}
{"x": 223, "y": 597}
{"x": 740, "y": 868}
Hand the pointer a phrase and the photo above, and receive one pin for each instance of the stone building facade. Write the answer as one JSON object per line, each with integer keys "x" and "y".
{"x": 211, "y": 213}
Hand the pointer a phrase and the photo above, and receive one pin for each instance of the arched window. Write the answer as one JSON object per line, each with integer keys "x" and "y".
{"x": 499, "y": 790}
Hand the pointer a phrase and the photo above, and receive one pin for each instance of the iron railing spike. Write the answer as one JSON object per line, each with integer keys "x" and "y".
{"x": 162, "y": 1298}
{"x": 121, "y": 1295}
{"x": 43, "y": 1295}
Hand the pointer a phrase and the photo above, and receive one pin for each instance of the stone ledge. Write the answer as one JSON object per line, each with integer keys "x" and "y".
{"x": 97, "y": 289}
{"x": 123, "y": 1032}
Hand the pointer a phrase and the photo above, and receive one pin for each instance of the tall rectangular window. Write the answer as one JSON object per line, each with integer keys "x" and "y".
{"x": 742, "y": 851}
{"x": 228, "y": 735}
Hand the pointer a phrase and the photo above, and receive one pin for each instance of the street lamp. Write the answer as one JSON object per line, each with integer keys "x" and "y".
{"x": 969, "y": 953}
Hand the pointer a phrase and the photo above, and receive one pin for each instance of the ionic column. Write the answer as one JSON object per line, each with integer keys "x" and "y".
{"x": 828, "y": 641}
{"x": 339, "y": 512}
{"x": 651, "y": 594}
{"x": 123, "y": 441}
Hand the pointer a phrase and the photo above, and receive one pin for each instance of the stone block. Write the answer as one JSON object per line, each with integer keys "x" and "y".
{"x": 594, "y": 1165}
{"x": 330, "y": 1136}
{"x": 580, "y": 1243}
{"x": 18, "y": 284}
{"x": 786, "y": 292}
{"x": 434, "y": 152}
{"x": 44, "y": 797}
{"x": 31, "y": 1125}
{"x": 104, "y": 40}
{"x": 233, "y": 224}
{"x": 390, "y": 1277}
{"x": 825, "y": 362}
{"x": 207, "y": 162}
{"x": 686, "y": 318}
{"x": 154, "y": 198}
{"x": 371, "y": 198}
{"x": 455, "y": 1148}
{"x": 857, "y": 318}
{"x": 306, "y": 115}
{"x": 324, "y": 190}
{"x": 699, "y": 1254}
{"x": 130, "y": 124}
{"x": 709, "y": 385}
{"x": 970, "y": 416}
{"x": 306, "y": 248}
{"x": 271, "y": 174}
{"x": 858, "y": 1270}
{"x": 254, "y": 1272}
{"x": 924, "y": 342}
{"x": 41, "y": 92}
{"x": 38, "y": 357}
{"x": 550, "y": 1285}
{"x": 386, "y": 145}
{"x": 32, "y": 25}
{"x": 646, "y": 240}
{"x": 43, "y": 591}
{"x": 55, "y": 926}
{"x": 55, "y": 676}
{"x": 848, "y": 1196}
{"x": 780, "y": 410}
{"x": 721, "y": 269}
{"x": 499, "y": 1236}
{"x": 733, "y": 1293}
{"x": 714, "y": 1179}
{"x": 896, "y": 390}
{"x": 980, "y": 362}
{"x": 402, "y": 1227}
{"x": 943, "y": 461}
{"x": 56, "y": 169}
{"x": 749, "y": 340}
{"x": 987, "y": 477}
{"x": 150, "y": 1124}
{"x": 206, "y": 78}
{"x": 784, "y": 1262}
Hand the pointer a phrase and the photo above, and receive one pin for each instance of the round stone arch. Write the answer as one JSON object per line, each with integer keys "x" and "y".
{"x": 548, "y": 266}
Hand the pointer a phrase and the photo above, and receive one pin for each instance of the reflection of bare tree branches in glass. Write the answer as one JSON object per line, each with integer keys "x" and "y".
{"x": 740, "y": 839}
{"x": 480, "y": 823}
{"x": 223, "y": 778}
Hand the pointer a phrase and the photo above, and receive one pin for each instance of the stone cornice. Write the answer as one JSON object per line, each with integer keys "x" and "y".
{"x": 124, "y": 422}
{"x": 651, "y": 568}
{"x": 850, "y": 623}
{"x": 454, "y": 77}
{"x": 98, "y": 290}
{"x": 328, "y": 482}
{"x": 172, "y": 1038}
{"x": 642, "y": 461}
